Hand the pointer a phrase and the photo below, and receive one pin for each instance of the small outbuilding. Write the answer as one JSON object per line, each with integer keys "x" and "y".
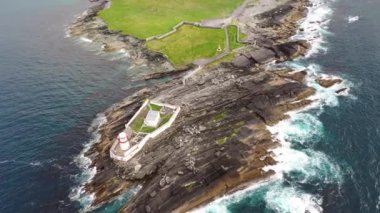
{"x": 152, "y": 119}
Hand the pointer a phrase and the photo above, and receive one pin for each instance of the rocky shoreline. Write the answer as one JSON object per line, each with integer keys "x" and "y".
{"x": 90, "y": 26}
{"x": 220, "y": 140}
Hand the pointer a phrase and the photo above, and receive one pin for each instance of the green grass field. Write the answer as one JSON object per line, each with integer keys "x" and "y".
{"x": 138, "y": 124}
{"x": 145, "y": 18}
{"x": 190, "y": 43}
{"x": 232, "y": 33}
{"x": 155, "y": 107}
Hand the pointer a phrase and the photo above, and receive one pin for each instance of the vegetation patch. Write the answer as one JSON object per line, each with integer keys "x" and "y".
{"x": 137, "y": 124}
{"x": 189, "y": 185}
{"x": 233, "y": 35}
{"x": 190, "y": 43}
{"x": 146, "y": 18}
{"x": 234, "y": 133}
{"x": 147, "y": 129}
{"x": 222, "y": 141}
{"x": 238, "y": 127}
{"x": 165, "y": 118}
{"x": 219, "y": 117}
{"x": 155, "y": 107}
{"x": 227, "y": 58}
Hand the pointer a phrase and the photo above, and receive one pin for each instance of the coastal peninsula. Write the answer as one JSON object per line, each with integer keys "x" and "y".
{"x": 228, "y": 95}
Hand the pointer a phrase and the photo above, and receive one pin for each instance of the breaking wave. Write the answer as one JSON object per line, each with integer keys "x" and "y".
{"x": 301, "y": 170}
{"x": 78, "y": 192}
{"x": 352, "y": 19}
{"x": 98, "y": 49}
{"x": 315, "y": 27}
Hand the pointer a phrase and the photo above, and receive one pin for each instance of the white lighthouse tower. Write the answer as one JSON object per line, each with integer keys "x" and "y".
{"x": 123, "y": 141}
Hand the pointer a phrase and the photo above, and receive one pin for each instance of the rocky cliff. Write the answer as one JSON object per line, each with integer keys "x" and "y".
{"x": 219, "y": 141}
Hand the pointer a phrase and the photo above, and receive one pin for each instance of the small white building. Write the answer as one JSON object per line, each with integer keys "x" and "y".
{"x": 152, "y": 119}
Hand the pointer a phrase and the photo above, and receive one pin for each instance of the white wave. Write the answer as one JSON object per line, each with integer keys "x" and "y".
{"x": 220, "y": 204}
{"x": 352, "y": 19}
{"x": 299, "y": 165}
{"x": 35, "y": 163}
{"x": 88, "y": 173}
{"x": 119, "y": 55}
{"x": 309, "y": 165}
{"x": 98, "y": 49}
{"x": 302, "y": 128}
{"x": 87, "y": 40}
{"x": 67, "y": 32}
{"x": 323, "y": 96}
{"x": 274, "y": 194}
{"x": 289, "y": 199}
{"x": 314, "y": 28}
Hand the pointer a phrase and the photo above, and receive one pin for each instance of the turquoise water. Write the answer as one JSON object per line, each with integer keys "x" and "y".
{"x": 52, "y": 88}
{"x": 330, "y": 157}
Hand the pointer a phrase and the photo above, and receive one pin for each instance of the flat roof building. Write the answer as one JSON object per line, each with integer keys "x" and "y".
{"x": 152, "y": 119}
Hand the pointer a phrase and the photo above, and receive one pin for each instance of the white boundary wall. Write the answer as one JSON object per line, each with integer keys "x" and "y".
{"x": 146, "y": 102}
{"x": 135, "y": 149}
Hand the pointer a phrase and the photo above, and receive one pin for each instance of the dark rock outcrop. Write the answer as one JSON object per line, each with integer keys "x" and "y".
{"x": 242, "y": 61}
{"x": 280, "y": 52}
{"x": 340, "y": 91}
{"x": 199, "y": 157}
{"x": 328, "y": 82}
{"x": 296, "y": 76}
{"x": 202, "y": 156}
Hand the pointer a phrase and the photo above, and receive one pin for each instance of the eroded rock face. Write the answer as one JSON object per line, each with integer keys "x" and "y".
{"x": 219, "y": 141}
{"x": 296, "y": 76}
{"x": 90, "y": 26}
{"x": 281, "y": 52}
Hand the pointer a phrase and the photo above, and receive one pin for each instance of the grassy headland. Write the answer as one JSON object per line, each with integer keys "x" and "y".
{"x": 147, "y": 18}
{"x": 190, "y": 43}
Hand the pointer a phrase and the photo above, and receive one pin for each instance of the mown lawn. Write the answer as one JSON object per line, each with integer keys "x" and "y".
{"x": 164, "y": 120}
{"x": 137, "y": 123}
{"x": 146, "y": 18}
{"x": 190, "y": 43}
{"x": 155, "y": 107}
{"x": 232, "y": 33}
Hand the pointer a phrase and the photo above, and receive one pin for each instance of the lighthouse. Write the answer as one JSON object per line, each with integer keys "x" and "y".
{"x": 123, "y": 141}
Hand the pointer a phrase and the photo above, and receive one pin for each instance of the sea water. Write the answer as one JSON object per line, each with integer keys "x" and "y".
{"x": 53, "y": 90}
{"x": 329, "y": 158}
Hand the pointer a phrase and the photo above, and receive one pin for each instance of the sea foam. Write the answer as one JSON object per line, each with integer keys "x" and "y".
{"x": 315, "y": 27}
{"x": 298, "y": 163}
{"x": 352, "y": 19}
{"x": 78, "y": 192}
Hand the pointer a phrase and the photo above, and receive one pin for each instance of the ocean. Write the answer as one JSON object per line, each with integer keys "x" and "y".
{"x": 329, "y": 160}
{"x": 53, "y": 90}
